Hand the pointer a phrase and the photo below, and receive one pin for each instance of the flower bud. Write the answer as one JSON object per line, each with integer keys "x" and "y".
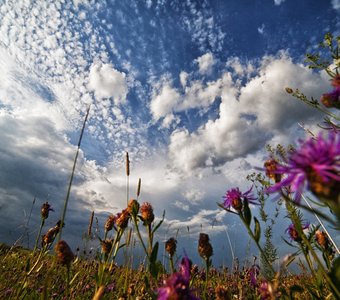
{"x": 205, "y": 249}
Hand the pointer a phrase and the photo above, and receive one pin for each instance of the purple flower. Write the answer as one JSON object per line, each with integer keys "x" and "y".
{"x": 234, "y": 198}
{"x": 331, "y": 99}
{"x": 317, "y": 163}
{"x": 253, "y": 274}
{"x": 177, "y": 285}
{"x": 293, "y": 233}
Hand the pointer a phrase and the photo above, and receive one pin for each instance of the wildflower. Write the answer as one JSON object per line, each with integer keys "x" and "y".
{"x": 336, "y": 81}
{"x": 234, "y": 198}
{"x": 316, "y": 162}
{"x": 323, "y": 241}
{"x": 109, "y": 222}
{"x": 266, "y": 291}
{"x": 106, "y": 246}
{"x": 122, "y": 219}
{"x": 253, "y": 274}
{"x": 50, "y": 235}
{"x": 270, "y": 167}
{"x": 331, "y": 99}
{"x": 170, "y": 246}
{"x": 64, "y": 253}
{"x": 185, "y": 267}
{"x": 45, "y": 209}
{"x": 133, "y": 207}
{"x": 289, "y": 90}
{"x": 146, "y": 211}
{"x": 221, "y": 293}
{"x": 205, "y": 249}
{"x": 293, "y": 233}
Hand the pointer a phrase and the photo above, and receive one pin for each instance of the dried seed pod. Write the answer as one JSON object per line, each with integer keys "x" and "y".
{"x": 205, "y": 249}
{"x": 147, "y": 214}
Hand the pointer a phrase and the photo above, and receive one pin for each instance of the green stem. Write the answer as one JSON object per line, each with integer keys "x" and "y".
{"x": 172, "y": 268}
{"x": 139, "y": 236}
{"x": 257, "y": 244}
{"x": 150, "y": 242}
{"x": 39, "y": 233}
{"x": 72, "y": 175}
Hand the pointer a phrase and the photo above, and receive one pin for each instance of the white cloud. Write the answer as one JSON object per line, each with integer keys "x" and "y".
{"x": 336, "y": 4}
{"x": 205, "y": 63}
{"x": 107, "y": 82}
{"x": 183, "y": 78}
{"x": 164, "y": 101}
{"x": 278, "y": 2}
{"x": 249, "y": 116}
{"x": 261, "y": 29}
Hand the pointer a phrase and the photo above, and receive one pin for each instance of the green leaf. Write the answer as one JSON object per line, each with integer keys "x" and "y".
{"x": 28, "y": 265}
{"x": 335, "y": 272}
{"x": 257, "y": 229}
{"x": 154, "y": 253}
{"x": 159, "y": 223}
{"x": 246, "y": 212}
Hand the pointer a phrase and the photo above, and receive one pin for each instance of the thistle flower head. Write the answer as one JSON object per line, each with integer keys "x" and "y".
{"x": 205, "y": 249}
{"x": 271, "y": 166}
{"x": 45, "y": 209}
{"x": 106, "y": 246}
{"x": 316, "y": 162}
{"x": 122, "y": 219}
{"x": 293, "y": 233}
{"x": 147, "y": 214}
{"x": 234, "y": 198}
{"x": 323, "y": 241}
{"x": 170, "y": 246}
{"x": 109, "y": 222}
{"x": 64, "y": 253}
{"x": 331, "y": 99}
{"x": 133, "y": 207}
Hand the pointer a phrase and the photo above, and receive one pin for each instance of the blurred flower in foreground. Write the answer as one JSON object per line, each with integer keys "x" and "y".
{"x": 234, "y": 198}
{"x": 177, "y": 285}
{"x": 293, "y": 233}
{"x": 316, "y": 162}
{"x": 64, "y": 253}
{"x": 332, "y": 99}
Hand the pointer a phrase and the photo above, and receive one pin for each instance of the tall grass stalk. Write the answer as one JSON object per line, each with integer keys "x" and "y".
{"x": 72, "y": 175}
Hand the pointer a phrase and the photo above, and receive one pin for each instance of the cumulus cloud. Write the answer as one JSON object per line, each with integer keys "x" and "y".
{"x": 168, "y": 100}
{"x": 249, "y": 115}
{"x": 278, "y": 2}
{"x": 205, "y": 63}
{"x": 107, "y": 82}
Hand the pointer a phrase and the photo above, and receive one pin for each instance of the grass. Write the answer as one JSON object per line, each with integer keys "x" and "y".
{"x": 48, "y": 280}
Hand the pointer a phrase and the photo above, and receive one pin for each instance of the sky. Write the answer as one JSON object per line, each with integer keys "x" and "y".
{"x": 192, "y": 90}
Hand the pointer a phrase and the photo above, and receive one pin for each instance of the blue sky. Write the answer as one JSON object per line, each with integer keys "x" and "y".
{"x": 193, "y": 90}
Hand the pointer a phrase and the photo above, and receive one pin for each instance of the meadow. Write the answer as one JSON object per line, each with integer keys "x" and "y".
{"x": 296, "y": 176}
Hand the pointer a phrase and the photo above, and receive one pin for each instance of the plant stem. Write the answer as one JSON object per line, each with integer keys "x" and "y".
{"x": 72, "y": 174}
{"x": 39, "y": 233}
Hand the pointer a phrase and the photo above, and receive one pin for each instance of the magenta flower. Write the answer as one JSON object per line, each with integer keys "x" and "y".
{"x": 331, "y": 99}
{"x": 177, "y": 285}
{"x": 317, "y": 164}
{"x": 253, "y": 274}
{"x": 234, "y": 198}
{"x": 293, "y": 234}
